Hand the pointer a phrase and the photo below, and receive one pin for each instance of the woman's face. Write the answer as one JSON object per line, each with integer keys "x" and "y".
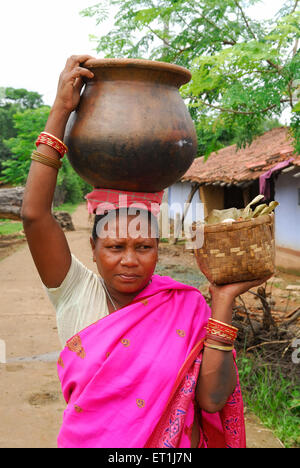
{"x": 125, "y": 262}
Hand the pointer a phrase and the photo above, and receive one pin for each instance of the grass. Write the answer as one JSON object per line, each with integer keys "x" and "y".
{"x": 275, "y": 399}
{"x": 69, "y": 207}
{"x": 289, "y": 271}
{"x": 9, "y": 227}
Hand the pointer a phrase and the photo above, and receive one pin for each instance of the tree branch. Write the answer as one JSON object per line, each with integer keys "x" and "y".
{"x": 265, "y": 343}
{"x": 295, "y": 7}
{"x": 245, "y": 19}
{"x": 295, "y": 49}
{"x": 231, "y": 42}
{"x": 209, "y": 21}
{"x": 167, "y": 43}
{"x": 272, "y": 64}
{"x": 180, "y": 51}
{"x": 233, "y": 111}
{"x": 248, "y": 315}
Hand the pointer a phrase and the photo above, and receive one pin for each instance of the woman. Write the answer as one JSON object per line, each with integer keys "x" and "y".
{"x": 145, "y": 363}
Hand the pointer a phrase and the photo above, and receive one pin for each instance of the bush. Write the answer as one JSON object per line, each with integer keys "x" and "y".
{"x": 273, "y": 397}
{"x": 72, "y": 186}
{"x": 28, "y": 125}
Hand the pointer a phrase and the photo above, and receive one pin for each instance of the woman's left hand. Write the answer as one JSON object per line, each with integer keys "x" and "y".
{"x": 70, "y": 83}
{"x": 231, "y": 291}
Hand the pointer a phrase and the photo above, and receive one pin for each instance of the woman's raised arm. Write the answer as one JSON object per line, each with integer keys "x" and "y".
{"x": 217, "y": 378}
{"x": 46, "y": 240}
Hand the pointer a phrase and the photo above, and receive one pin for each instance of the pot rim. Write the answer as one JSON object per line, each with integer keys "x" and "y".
{"x": 139, "y": 63}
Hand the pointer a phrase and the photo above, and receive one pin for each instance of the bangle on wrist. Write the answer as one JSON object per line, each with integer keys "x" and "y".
{"x": 48, "y": 139}
{"x": 46, "y": 160}
{"x": 219, "y": 339}
{"x": 221, "y": 332}
{"x": 218, "y": 348}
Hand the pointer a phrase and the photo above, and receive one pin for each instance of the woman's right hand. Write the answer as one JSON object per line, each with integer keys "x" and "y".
{"x": 70, "y": 83}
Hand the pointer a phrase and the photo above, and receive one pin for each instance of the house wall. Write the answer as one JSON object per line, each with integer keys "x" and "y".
{"x": 287, "y": 219}
{"x": 212, "y": 198}
{"x": 177, "y": 197}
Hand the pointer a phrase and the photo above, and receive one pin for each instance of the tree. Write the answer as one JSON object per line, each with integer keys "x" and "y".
{"x": 11, "y": 101}
{"x": 28, "y": 124}
{"x": 21, "y": 97}
{"x": 244, "y": 71}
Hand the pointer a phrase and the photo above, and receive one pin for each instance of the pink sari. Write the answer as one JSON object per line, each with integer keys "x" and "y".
{"x": 129, "y": 379}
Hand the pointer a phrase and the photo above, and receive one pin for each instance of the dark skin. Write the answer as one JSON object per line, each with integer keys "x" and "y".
{"x": 125, "y": 263}
{"x": 47, "y": 242}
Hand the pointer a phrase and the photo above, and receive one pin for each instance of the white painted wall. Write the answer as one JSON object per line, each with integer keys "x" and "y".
{"x": 287, "y": 219}
{"x": 177, "y": 197}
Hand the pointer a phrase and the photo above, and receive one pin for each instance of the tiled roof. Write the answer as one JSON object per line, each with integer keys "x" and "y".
{"x": 232, "y": 165}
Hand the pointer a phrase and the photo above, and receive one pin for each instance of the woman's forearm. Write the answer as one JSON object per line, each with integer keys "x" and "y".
{"x": 46, "y": 239}
{"x": 42, "y": 179}
{"x": 217, "y": 378}
{"x": 56, "y": 122}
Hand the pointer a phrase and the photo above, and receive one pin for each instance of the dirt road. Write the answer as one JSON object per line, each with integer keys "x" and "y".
{"x": 31, "y": 404}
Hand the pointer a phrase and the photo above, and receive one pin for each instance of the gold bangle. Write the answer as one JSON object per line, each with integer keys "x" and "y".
{"x": 46, "y": 156}
{"x": 219, "y": 348}
{"x": 46, "y": 160}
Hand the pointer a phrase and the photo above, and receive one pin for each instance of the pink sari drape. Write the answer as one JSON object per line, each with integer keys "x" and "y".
{"x": 129, "y": 379}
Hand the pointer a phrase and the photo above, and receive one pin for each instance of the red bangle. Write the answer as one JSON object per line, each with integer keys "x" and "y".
{"x": 221, "y": 330}
{"x": 46, "y": 138}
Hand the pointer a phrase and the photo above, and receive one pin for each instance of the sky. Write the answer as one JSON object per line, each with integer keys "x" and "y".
{"x": 37, "y": 37}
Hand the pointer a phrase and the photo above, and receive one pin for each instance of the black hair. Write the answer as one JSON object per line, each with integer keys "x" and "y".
{"x": 151, "y": 219}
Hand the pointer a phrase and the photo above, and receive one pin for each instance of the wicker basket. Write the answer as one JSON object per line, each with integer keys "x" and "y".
{"x": 238, "y": 251}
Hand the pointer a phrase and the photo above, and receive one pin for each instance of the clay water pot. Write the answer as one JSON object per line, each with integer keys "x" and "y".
{"x": 132, "y": 130}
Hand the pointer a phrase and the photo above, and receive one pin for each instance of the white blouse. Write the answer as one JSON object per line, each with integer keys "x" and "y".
{"x": 79, "y": 301}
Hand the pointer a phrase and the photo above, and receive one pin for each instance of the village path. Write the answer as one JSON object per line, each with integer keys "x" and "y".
{"x": 31, "y": 403}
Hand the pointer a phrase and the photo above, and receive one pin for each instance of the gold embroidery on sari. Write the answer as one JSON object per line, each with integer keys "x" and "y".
{"x": 180, "y": 333}
{"x": 78, "y": 409}
{"x": 144, "y": 301}
{"x": 60, "y": 362}
{"x": 140, "y": 403}
{"x": 75, "y": 346}
{"x": 126, "y": 343}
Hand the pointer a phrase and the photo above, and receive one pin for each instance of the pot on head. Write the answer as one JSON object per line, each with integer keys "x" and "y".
{"x": 132, "y": 130}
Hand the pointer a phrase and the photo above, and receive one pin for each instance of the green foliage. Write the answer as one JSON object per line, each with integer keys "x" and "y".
{"x": 28, "y": 124}
{"x": 13, "y": 101}
{"x": 69, "y": 207}
{"x": 8, "y": 227}
{"x": 20, "y": 97}
{"x": 244, "y": 71}
{"x": 295, "y": 130}
{"x": 273, "y": 397}
{"x": 72, "y": 185}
